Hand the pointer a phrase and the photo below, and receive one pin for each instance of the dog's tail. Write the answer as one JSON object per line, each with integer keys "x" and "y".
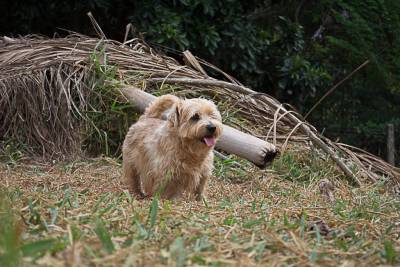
{"x": 157, "y": 108}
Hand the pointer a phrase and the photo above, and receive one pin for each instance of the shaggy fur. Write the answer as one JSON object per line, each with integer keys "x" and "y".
{"x": 175, "y": 155}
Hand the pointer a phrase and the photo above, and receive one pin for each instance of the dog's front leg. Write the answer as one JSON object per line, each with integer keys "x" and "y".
{"x": 131, "y": 177}
{"x": 201, "y": 188}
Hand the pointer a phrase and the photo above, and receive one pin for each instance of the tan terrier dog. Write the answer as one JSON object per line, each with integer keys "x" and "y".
{"x": 175, "y": 155}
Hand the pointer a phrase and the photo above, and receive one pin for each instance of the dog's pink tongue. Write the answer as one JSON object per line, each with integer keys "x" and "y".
{"x": 210, "y": 141}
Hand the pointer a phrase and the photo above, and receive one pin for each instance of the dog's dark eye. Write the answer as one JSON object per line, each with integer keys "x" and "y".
{"x": 195, "y": 117}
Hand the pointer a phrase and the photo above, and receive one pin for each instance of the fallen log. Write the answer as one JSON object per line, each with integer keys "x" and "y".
{"x": 312, "y": 135}
{"x": 232, "y": 140}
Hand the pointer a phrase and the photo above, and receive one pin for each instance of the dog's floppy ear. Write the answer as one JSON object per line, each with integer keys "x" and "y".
{"x": 174, "y": 116}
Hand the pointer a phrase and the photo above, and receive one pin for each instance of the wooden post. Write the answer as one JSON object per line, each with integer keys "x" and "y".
{"x": 390, "y": 144}
{"x": 232, "y": 140}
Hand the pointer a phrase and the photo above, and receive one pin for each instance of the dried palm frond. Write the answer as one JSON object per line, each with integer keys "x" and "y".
{"x": 46, "y": 86}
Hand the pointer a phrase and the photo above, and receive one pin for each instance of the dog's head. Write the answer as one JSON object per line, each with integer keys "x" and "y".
{"x": 196, "y": 120}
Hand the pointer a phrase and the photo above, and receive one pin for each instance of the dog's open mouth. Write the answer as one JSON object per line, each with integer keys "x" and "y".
{"x": 209, "y": 140}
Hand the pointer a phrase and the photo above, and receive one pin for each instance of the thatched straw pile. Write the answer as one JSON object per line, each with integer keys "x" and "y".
{"x": 46, "y": 86}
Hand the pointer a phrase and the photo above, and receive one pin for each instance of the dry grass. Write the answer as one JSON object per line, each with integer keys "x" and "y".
{"x": 57, "y": 94}
{"x": 79, "y": 214}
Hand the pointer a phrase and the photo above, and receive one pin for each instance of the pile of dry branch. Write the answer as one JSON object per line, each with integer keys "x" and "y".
{"x": 45, "y": 85}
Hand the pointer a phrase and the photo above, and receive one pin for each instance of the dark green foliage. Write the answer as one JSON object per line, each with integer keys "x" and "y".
{"x": 360, "y": 109}
{"x": 294, "y": 50}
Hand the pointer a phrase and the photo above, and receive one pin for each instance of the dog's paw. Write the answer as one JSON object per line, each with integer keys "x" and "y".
{"x": 201, "y": 198}
{"x": 139, "y": 195}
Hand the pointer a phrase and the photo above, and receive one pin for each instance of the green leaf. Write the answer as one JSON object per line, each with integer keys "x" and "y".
{"x": 260, "y": 249}
{"x": 313, "y": 256}
{"x": 205, "y": 202}
{"x": 303, "y": 224}
{"x": 153, "y": 212}
{"x": 199, "y": 260}
{"x": 9, "y": 236}
{"x": 317, "y": 234}
{"x": 389, "y": 252}
{"x": 53, "y": 215}
{"x": 252, "y": 223}
{"x": 142, "y": 231}
{"x": 104, "y": 236}
{"x": 230, "y": 221}
{"x": 202, "y": 244}
{"x": 75, "y": 232}
{"x": 36, "y": 247}
{"x": 177, "y": 251}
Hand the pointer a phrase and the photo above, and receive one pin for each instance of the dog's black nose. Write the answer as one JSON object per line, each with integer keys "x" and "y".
{"x": 211, "y": 128}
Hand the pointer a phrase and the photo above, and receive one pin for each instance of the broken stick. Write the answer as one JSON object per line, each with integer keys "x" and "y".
{"x": 232, "y": 140}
